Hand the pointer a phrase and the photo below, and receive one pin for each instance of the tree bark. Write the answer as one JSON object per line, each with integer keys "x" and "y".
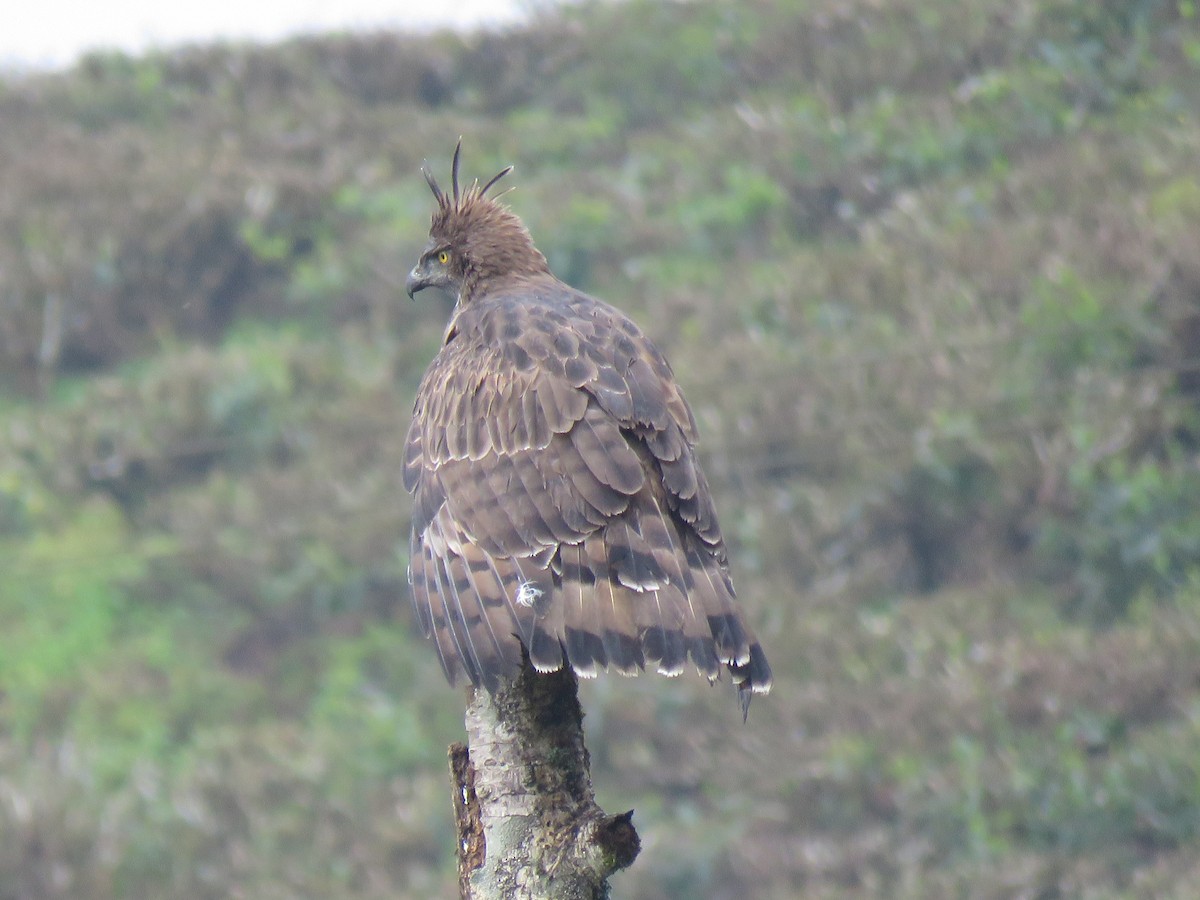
{"x": 528, "y": 824}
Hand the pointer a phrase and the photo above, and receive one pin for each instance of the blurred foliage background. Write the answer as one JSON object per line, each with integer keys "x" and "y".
{"x": 930, "y": 274}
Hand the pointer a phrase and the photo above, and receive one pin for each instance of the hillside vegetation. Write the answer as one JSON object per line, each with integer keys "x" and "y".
{"x": 929, "y": 273}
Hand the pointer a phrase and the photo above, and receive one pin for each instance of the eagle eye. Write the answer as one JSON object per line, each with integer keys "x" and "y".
{"x": 444, "y": 257}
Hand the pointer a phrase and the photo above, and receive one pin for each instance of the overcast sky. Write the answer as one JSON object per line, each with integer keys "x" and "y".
{"x": 52, "y": 33}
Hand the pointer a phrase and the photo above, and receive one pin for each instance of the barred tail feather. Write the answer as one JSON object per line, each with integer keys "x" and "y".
{"x": 661, "y": 532}
{"x": 455, "y": 624}
{"x": 425, "y": 584}
{"x": 617, "y": 624}
{"x": 753, "y": 678}
{"x": 578, "y": 595}
{"x": 416, "y": 581}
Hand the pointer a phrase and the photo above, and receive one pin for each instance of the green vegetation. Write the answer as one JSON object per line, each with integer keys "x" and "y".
{"x": 930, "y": 275}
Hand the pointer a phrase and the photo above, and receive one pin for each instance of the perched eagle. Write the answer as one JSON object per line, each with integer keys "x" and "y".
{"x": 558, "y": 501}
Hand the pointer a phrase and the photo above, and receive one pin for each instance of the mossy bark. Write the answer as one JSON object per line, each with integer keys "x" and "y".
{"x": 528, "y": 824}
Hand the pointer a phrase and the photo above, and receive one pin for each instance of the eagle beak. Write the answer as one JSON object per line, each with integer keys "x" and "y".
{"x": 414, "y": 283}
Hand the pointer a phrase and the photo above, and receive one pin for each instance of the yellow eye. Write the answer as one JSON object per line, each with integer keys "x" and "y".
{"x": 444, "y": 257}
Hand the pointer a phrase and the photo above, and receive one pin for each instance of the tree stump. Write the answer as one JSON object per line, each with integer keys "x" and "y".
{"x": 528, "y": 824}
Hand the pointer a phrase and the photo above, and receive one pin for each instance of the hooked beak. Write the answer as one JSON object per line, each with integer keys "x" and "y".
{"x": 415, "y": 282}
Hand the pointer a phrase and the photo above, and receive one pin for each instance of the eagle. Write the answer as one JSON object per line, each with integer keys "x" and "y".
{"x": 559, "y": 509}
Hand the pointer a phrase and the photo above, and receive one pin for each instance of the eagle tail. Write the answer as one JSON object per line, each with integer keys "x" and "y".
{"x": 533, "y": 615}
{"x": 431, "y": 610}
{"x": 606, "y": 631}
{"x": 735, "y": 644}
{"x": 584, "y": 588}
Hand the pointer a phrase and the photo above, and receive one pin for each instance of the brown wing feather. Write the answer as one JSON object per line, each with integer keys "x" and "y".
{"x": 608, "y": 626}
{"x": 585, "y": 590}
{"x": 559, "y": 505}
{"x": 428, "y": 598}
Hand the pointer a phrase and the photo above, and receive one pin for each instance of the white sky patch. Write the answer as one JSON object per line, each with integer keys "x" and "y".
{"x": 53, "y": 33}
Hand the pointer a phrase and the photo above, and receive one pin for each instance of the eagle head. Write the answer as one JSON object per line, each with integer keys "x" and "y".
{"x": 475, "y": 243}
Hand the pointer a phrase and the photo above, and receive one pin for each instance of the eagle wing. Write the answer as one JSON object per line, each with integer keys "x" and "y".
{"x": 558, "y": 503}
